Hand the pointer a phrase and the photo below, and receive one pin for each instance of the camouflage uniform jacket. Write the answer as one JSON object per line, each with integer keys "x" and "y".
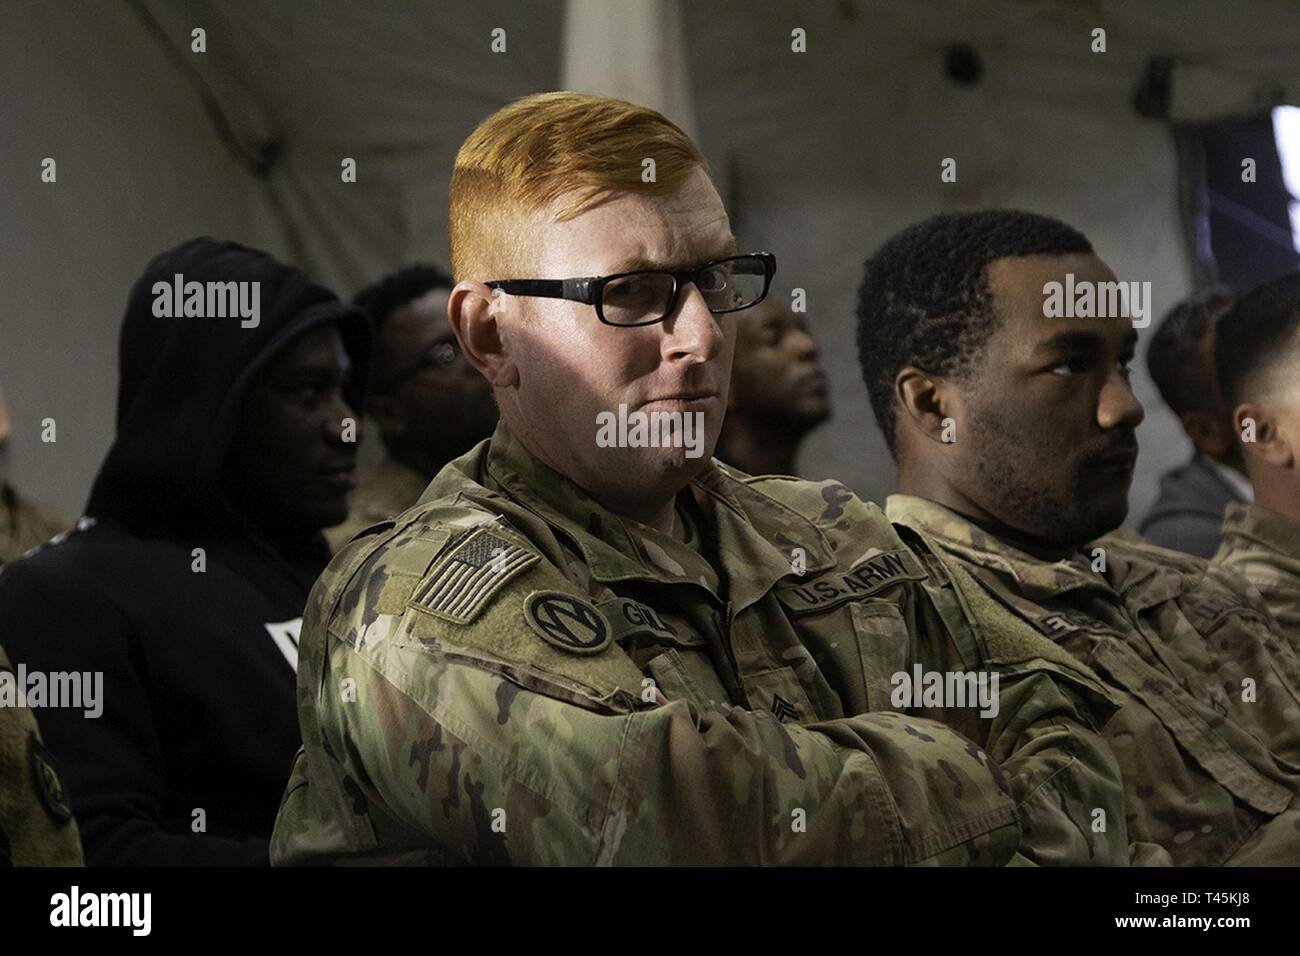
{"x": 383, "y": 492}
{"x": 477, "y": 683}
{"x": 1264, "y": 548}
{"x": 36, "y": 825}
{"x": 1222, "y": 642}
{"x": 1161, "y": 632}
{"x": 23, "y": 526}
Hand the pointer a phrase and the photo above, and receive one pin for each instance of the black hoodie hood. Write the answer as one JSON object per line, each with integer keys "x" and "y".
{"x": 182, "y": 383}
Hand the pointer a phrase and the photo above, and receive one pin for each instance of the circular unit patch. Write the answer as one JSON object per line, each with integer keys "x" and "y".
{"x": 567, "y": 622}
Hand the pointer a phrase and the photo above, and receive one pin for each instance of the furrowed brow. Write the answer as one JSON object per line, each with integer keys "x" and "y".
{"x": 642, "y": 264}
{"x": 634, "y": 264}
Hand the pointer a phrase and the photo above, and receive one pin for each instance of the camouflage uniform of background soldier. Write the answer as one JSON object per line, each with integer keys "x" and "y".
{"x": 36, "y": 825}
{"x": 511, "y": 672}
{"x": 1228, "y": 649}
{"x": 386, "y": 490}
{"x": 23, "y": 524}
{"x": 1200, "y": 779}
{"x": 1257, "y": 353}
{"x": 1264, "y": 548}
{"x": 1014, "y": 427}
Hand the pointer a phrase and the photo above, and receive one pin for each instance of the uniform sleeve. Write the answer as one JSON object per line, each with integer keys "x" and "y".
{"x": 111, "y": 765}
{"x": 1067, "y": 783}
{"x": 36, "y": 828}
{"x": 441, "y": 760}
{"x": 1046, "y": 735}
{"x": 1045, "y": 731}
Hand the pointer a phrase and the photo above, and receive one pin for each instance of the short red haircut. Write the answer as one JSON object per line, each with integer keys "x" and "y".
{"x": 531, "y": 152}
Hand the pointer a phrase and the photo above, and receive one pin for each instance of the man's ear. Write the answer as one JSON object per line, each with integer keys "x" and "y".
{"x": 923, "y": 402}
{"x": 1261, "y": 437}
{"x": 1211, "y": 433}
{"x": 474, "y": 317}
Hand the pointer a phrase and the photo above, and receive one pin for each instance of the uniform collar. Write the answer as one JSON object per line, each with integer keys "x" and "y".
{"x": 1257, "y": 523}
{"x": 758, "y": 536}
{"x": 1037, "y": 579}
{"x": 753, "y": 534}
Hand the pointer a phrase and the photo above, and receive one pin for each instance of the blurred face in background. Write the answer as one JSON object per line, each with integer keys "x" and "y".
{"x": 288, "y": 468}
{"x": 777, "y": 376}
{"x": 433, "y": 405}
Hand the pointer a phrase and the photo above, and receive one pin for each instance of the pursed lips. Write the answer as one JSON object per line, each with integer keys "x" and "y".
{"x": 816, "y": 378}
{"x": 683, "y": 397}
{"x": 1116, "y": 460}
{"x": 682, "y": 392}
{"x": 342, "y": 470}
{"x": 684, "y": 402}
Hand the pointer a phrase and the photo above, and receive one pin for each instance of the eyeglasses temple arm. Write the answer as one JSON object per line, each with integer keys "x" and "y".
{"x": 579, "y": 290}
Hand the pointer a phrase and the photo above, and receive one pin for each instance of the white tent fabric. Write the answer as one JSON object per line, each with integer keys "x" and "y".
{"x": 139, "y": 168}
{"x": 634, "y": 50}
{"x": 820, "y": 155}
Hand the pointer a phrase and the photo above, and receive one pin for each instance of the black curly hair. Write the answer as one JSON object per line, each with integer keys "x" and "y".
{"x": 925, "y": 300}
{"x": 1256, "y": 334}
{"x": 394, "y": 290}
{"x": 1173, "y": 348}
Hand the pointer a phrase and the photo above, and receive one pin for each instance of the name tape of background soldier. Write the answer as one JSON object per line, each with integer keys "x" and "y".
{"x": 1057, "y": 626}
{"x": 463, "y": 580}
{"x": 567, "y": 622}
{"x": 872, "y": 574}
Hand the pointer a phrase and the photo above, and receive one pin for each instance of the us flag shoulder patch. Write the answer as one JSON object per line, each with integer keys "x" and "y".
{"x": 462, "y": 581}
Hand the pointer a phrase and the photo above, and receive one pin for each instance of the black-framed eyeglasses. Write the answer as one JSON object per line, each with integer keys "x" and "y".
{"x": 647, "y": 296}
{"x": 441, "y": 353}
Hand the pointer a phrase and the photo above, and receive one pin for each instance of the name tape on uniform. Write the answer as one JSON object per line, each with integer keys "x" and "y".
{"x": 630, "y": 619}
{"x": 868, "y": 576}
{"x": 1057, "y": 626}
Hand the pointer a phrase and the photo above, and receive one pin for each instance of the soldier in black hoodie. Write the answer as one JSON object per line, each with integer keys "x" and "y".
{"x": 185, "y": 582}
